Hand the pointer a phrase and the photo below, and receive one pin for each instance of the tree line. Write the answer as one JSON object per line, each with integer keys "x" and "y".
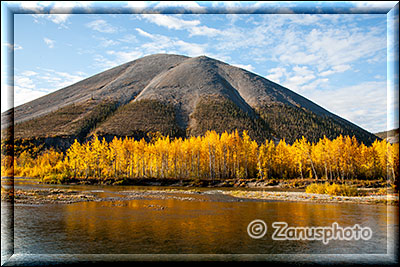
{"x": 211, "y": 156}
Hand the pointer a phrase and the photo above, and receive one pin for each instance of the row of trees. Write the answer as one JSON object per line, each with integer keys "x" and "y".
{"x": 213, "y": 156}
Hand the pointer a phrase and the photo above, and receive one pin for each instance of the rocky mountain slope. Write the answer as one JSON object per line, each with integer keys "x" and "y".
{"x": 177, "y": 96}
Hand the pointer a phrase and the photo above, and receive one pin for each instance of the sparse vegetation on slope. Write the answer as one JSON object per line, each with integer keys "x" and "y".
{"x": 139, "y": 118}
{"x": 291, "y": 123}
{"x": 220, "y": 114}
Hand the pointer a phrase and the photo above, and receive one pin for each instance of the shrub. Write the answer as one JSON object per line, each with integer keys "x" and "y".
{"x": 55, "y": 178}
{"x": 332, "y": 189}
{"x": 316, "y": 188}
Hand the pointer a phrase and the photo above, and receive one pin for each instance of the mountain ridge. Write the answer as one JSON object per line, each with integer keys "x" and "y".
{"x": 194, "y": 94}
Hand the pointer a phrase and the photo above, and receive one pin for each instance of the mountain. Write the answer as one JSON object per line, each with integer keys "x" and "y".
{"x": 177, "y": 96}
{"x": 391, "y": 136}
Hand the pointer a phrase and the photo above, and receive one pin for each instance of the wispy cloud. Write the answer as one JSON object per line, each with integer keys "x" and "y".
{"x": 170, "y": 22}
{"x": 176, "y": 23}
{"x": 101, "y": 25}
{"x": 124, "y": 56}
{"x": 275, "y": 74}
{"x": 161, "y": 44}
{"x": 248, "y": 67}
{"x": 29, "y": 73}
{"x": 49, "y": 42}
{"x": 185, "y": 5}
{"x": 144, "y": 33}
{"x": 335, "y": 69}
{"x": 25, "y": 90}
{"x": 14, "y": 47}
{"x": 30, "y": 85}
{"x": 364, "y": 103}
{"x": 156, "y": 43}
{"x": 60, "y": 19}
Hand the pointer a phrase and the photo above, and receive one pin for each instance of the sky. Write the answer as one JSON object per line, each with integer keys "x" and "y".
{"x": 339, "y": 55}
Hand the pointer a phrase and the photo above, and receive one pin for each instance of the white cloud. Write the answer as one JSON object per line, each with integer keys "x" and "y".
{"x": 106, "y": 42}
{"x": 171, "y": 22}
{"x": 60, "y": 19}
{"x": 327, "y": 73}
{"x": 248, "y": 67}
{"x": 368, "y": 6}
{"x": 28, "y": 85}
{"x": 186, "y": 5}
{"x": 143, "y": 33}
{"x": 29, "y": 73}
{"x": 364, "y": 104}
{"x": 128, "y": 38}
{"x": 14, "y": 47}
{"x": 276, "y": 74}
{"x": 123, "y": 56}
{"x": 137, "y": 6}
{"x": 58, "y": 12}
{"x": 176, "y": 23}
{"x": 334, "y": 40}
{"x": 205, "y": 31}
{"x": 49, "y": 42}
{"x": 34, "y": 6}
{"x": 101, "y": 25}
{"x": 25, "y": 90}
{"x": 302, "y": 70}
{"x": 66, "y": 79}
{"x": 191, "y": 49}
{"x": 316, "y": 84}
{"x": 23, "y": 81}
{"x": 165, "y": 44}
{"x": 335, "y": 69}
{"x": 23, "y": 95}
{"x": 298, "y": 80}
{"x": 386, "y": 4}
{"x": 295, "y": 79}
{"x": 67, "y": 6}
{"x": 157, "y": 44}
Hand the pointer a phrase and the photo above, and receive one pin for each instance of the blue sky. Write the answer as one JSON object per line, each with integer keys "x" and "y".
{"x": 339, "y": 61}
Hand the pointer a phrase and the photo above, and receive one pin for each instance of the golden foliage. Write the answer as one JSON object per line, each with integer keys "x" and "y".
{"x": 212, "y": 156}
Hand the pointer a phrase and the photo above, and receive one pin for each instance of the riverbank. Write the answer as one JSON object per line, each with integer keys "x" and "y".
{"x": 389, "y": 199}
{"x": 294, "y": 183}
{"x": 40, "y": 196}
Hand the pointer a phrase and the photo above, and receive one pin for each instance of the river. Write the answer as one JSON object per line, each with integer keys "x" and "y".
{"x": 189, "y": 223}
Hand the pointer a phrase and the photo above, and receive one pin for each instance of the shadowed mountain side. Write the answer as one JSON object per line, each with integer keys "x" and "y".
{"x": 138, "y": 118}
{"x": 185, "y": 84}
{"x": 72, "y": 120}
{"x": 291, "y": 123}
{"x": 221, "y": 114}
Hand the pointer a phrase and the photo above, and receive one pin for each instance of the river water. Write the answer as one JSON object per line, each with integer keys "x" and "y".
{"x": 206, "y": 223}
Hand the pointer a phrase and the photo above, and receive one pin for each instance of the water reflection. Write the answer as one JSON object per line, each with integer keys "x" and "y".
{"x": 174, "y": 226}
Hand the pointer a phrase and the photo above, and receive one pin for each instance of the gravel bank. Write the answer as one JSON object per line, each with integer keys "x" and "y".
{"x": 66, "y": 196}
{"x": 302, "y": 196}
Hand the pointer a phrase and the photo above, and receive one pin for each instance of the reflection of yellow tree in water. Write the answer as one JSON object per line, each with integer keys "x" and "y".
{"x": 142, "y": 226}
{"x": 212, "y": 156}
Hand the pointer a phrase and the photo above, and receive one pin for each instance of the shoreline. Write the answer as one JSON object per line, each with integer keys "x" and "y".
{"x": 389, "y": 199}
{"x": 370, "y": 192}
{"x": 39, "y": 196}
{"x": 291, "y": 183}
